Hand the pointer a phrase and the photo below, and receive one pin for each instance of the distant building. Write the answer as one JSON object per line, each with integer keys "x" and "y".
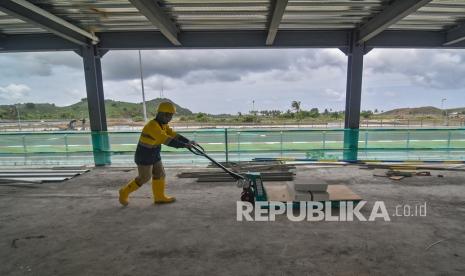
{"x": 454, "y": 115}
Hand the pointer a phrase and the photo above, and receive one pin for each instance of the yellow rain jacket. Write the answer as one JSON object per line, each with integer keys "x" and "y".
{"x": 152, "y": 137}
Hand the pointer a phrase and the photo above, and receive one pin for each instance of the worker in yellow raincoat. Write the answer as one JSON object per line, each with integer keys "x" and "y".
{"x": 155, "y": 133}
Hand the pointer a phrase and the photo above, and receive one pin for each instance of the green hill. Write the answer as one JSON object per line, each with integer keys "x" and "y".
{"x": 114, "y": 109}
{"x": 415, "y": 111}
{"x": 458, "y": 110}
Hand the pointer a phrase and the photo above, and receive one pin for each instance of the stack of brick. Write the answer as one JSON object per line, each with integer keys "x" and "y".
{"x": 310, "y": 188}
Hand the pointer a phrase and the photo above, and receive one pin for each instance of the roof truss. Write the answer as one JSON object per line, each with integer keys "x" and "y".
{"x": 33, "y": 14}
{"x": 278, "y": 11}
{"x": 388, "y": 17}
{"x": 455, "y": 35}
{"x": 158, "y": 18}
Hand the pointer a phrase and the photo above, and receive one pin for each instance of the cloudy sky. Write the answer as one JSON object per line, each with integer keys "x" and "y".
{"x": 228, "y": 81}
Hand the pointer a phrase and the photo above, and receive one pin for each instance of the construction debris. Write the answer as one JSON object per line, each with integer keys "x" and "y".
{"x": 401, "y": 174}
{"x": 414, "y": 167}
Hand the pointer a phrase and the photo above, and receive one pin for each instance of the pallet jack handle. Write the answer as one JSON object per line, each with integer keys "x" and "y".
{"x": 200, "y": 151}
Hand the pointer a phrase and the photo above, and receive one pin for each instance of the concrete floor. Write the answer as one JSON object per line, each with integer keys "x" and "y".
{"x": 78, "y": 228}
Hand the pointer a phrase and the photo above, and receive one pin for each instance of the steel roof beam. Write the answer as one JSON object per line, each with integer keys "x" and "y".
{"x": 455, "y": 35}
{"x": 388, "y": 17}
{"x": 35, "y": 43}
{"x": 278, "y": 12}
{"x": 412, "y": 39}
{"x": 158, "y": 18}
{"x": 229, "y": 39}
{"x": 31, "y": 13}
{"x": 223, "y": 39}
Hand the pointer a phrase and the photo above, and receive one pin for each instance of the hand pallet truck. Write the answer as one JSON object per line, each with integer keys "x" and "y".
{"x": 251, "y": 182}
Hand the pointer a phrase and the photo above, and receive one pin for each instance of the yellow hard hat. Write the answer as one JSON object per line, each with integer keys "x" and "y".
{"x": 166, "y": 107}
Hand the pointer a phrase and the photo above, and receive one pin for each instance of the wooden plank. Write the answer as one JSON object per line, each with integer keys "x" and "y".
{"x": 342, "y": 193}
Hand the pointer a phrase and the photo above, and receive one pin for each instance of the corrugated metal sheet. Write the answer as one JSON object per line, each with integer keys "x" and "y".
{"x": 98, "y": 16}
{"x": 38, "y": 175}
{"x": 11, "y": 25}
{"x": 437, "y": 15}
{"x": 119, "y": 15}
{"x": 219, "y": 15}
{"x": 308, "y": 14}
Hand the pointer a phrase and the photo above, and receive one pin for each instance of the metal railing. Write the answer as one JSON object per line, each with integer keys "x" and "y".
{"x": 239, "y": 144}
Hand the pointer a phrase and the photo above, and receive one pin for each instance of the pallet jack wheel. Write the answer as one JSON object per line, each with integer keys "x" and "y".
{"x": 247, "y": 195}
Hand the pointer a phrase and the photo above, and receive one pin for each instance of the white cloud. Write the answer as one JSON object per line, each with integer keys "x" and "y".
{"x": 14, "y": 92}
{"x": 439, "y": 69}
{"x": 390, "y": 94}
{"x": 219, "y": 81}
{"x": 334, "y": 95}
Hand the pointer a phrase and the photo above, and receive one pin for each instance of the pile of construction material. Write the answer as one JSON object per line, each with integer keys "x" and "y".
{"x": 270, "y": 171}
{"x": 409, "y": 169}
{"x": 310, "y": 188}
{"x": 33, "y": 176}
{"x": 401, "y": 174}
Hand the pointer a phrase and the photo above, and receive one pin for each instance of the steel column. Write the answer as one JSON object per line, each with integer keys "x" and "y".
{"x": 96, "y": 105}
{"x": 353, "y": 98}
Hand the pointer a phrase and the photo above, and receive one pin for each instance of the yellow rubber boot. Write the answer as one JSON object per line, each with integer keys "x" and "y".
{"x": 126, "y": 190}
{"x": 158, "y": 189}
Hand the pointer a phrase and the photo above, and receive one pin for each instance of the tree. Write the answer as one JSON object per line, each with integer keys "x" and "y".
{"x": 201, "y": 117}
{"x": 30, "y": 105}
{"x": 335, "y": 115}
{"x": 314, "y": 112}
{"x": 296, "y": 106}
{"x": 326, "y": 112}
{"x": 248, "y": 119}
{"x": 366, "y": 114}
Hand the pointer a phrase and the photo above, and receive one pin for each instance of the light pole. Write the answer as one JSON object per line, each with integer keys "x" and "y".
{"x": 19, "y": 117}
{"x": 142, "y": 84}
{"x": 253, "y": 111}
{"x": 444, "y": 112}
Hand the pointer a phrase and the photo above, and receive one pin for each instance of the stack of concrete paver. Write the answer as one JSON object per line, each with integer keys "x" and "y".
{"x": 310, "y": 188}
